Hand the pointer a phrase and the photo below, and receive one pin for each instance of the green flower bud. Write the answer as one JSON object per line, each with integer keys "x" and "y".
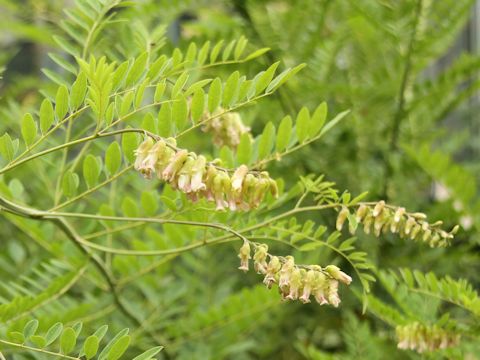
{"x": 398, "y": 214}
{"x": 244, "y": 255}
{"x": 337, "y": 274}
{"x": 342, "y": 216}
{"x": 260, "y": 259}
{"x": 377, "y": 210}
{"x": 362, "y": 211}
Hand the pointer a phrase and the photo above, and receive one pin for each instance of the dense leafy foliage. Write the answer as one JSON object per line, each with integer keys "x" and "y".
{"x": 232, "y": 111}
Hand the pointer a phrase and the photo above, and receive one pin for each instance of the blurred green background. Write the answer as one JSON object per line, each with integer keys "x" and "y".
{"x": 408, "y": 70}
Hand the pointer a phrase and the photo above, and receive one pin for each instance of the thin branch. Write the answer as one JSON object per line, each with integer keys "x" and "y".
{"x": 46, "y": 352}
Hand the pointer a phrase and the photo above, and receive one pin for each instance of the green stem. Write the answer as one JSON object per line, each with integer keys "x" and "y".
{"x": 46, "y": 352}
{"x": 72, "y": 143}
{"x": 400, "y": 110}
{"x": 58, "y": 192}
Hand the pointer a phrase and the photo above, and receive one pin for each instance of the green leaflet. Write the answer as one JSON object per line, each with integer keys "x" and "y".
{"x": 265, "y": 78}
{"x": 46, "y": 116}
{"x": 30, "y": 328}
{"x": 104, "y": 354}
{"x": 198, "y": 104}
{"x": 79, "y": 89}
{"x": 129, "y": 145}
{"x": 91, "y": 170}
{"x": 302, "y": 125}
{"x": 90, "y": 347}
{"x": 7, "y": 147}
{"x": 180, "y": 112}
{"x": 266, "y": 141}
{"x": 214, "y": 95}
{"x": 244, "y": 149}
{"x": 231, "y": 89}
{"x": 137, "y": 69}
{"x": 179, "y": 84}
{"x": 159, "y": 90}
{"x": 113, "y": 158}
{"x": 147, "y": 355}
{"x": 68, "y": 340}
{"x": 149, "y": 202}
{"x": 130, "y": 207}
{"x": 61, "y": 103}
{"x": 284, "y": 134}
{"x": 29, "y": 129}
{"x": 165, "y": 122}
{"x": 53, "y": 333}
{"x": 70, "y": 183}
{"x": 118, "y": 348}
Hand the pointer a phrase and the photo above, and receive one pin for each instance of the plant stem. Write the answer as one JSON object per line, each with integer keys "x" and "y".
{"x": 400, "y": 110}
{"x": 26, "y": 347}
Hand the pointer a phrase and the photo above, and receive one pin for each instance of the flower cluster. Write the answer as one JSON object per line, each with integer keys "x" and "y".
{"x": 227, "y": 128}
{"x": 381, "y": 218}
{"x": 423, "y": 338}
{"x": 191, "y": 174}
{"x": 295, "y": 282}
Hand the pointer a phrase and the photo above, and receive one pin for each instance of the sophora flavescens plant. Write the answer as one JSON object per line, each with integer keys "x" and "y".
{"x": 138, "y": 155}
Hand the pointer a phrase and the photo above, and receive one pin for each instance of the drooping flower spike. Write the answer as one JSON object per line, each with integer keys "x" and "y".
{"x": 295, "y": 282}
{"x": 423, "y": 338}
{"x": 191, "y": 174}
{"x": 378, "y": 218}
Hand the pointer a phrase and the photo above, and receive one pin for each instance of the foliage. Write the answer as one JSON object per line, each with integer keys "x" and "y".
{"x": 222, "y": 106}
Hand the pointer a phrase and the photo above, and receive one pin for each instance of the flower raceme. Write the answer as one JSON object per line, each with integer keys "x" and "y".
{"x": 191, "y": 174}
{"x": 423, "y": 338}
{"x": 227, "y": 129}
{"x": 381, "y": 218}
{"x": 295, "y": 282}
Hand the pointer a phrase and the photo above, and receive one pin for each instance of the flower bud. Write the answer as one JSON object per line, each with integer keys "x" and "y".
{"x": 295, "y": 284}
{"x": 455, "y": 229}
{"x": 342, "y": 216}
{"x": 238, "y": 177}
{"x": 273, "y": 188}
{"x": 362, "y": 211}
{"x": 273, "y": 268}
{"x": 378, "y": 223}
{"x": 409, "y": 225}
{"x": 260, "y": 259}
{"x": 320, "y": 285}
{"x": 367, "y": 223}
{"x": 337, "y": 274}
{"x": 398, "y": 214}
{"x": 377, "y": 210}
{"x": 419, "y": 215}
{"x": 332, "y": 293}
{"x": 244, "y": 255}
{"x": 150, "y": 162}
{"x": 164, "y": 158}
{"x": 415, "y": 231}
{"x": 175, "y": 165}
{"x": 286, "y": 272}
{"x": 184, "y": 175}
{"x": 426, "y": 235}
{"x": 142, "y": 152}
{"x": 198, "y": 170}
{"x": 308, "y": 283}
